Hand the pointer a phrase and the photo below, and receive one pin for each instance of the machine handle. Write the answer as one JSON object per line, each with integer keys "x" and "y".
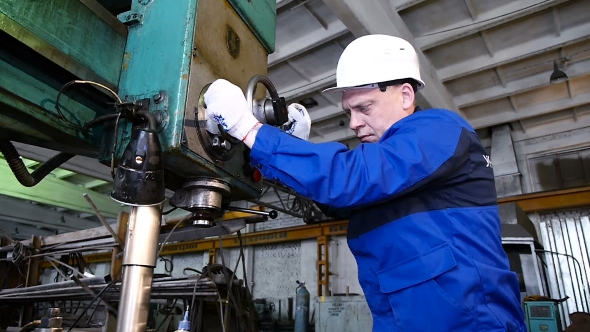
{"x": 271, "y": 214}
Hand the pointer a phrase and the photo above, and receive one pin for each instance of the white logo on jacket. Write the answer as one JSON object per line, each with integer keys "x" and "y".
{"x": 488, "y": 160}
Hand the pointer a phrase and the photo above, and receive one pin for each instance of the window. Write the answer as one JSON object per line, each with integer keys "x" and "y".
{"x": 561, "y": 170}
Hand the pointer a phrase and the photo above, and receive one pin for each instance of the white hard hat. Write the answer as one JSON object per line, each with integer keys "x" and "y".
{"x": 373, "y": 59}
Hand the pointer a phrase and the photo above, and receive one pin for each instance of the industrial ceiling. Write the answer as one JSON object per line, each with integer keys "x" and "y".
{"x": 490, "y": 61}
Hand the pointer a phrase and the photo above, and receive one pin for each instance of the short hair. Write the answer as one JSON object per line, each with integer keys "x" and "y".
{"x": 383, "y": 85}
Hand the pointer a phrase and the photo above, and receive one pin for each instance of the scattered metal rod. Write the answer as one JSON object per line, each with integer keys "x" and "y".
{"x": 59, "y": 285}
{"x": 104, "y": 222}
{"x": 93, "y": 294}
{"x": 71, "y": 288}
{"x": 57, "y": 269}
{"x": 52, "y": 253}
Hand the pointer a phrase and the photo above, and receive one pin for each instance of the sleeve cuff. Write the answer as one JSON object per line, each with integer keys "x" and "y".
{"x": 265, "y": 144}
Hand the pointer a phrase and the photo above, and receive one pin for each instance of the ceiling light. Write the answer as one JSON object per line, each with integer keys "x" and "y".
{"x": 557, "y": 76}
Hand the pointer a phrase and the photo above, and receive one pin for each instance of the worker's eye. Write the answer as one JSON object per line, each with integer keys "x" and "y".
{"x": 364, "y": 108}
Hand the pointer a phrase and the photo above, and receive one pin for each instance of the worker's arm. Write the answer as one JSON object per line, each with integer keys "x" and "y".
{"x": 331, "y": 174}
{"x": 424, "y": 149}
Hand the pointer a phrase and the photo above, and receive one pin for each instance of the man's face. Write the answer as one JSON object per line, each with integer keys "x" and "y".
{"x": 373, "y": 112}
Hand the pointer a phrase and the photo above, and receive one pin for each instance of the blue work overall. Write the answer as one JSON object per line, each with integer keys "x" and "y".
{"x": 423, "y": 220}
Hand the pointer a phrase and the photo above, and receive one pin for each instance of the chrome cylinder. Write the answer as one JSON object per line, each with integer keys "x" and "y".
{"x": 139, "y": 261}
{"x": 203, "y": 197}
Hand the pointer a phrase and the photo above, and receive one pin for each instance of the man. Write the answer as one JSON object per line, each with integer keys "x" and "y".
{"x": 423, "y": 217}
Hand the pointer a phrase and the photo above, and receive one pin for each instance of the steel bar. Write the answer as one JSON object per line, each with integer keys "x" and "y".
{"x": 104, "y": 222}
{"x": 92, "y": 293}
{"x": 165, "y": 290}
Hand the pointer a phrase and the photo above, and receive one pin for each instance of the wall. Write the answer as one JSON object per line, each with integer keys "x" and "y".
{"x": 543, "y": 140}
{"x": 566, "y": 238}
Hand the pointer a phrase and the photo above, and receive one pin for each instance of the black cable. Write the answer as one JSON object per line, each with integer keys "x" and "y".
{"x": 94, "y": 310}
{"x": 101, "y": 119}
{"x": 99, "y": 295}
{"x": 153, "y": 124}
{"x": 114, "y": 150}
{"x": 191, "y": 269}
{"x": 17, "y": 166}
{"x": 166, "y": 261}
{"x": 172, "y": 231}
{"x": 59, "y": 112}
{"x": 93, "y": 122}
{"x": 167, "y": 315}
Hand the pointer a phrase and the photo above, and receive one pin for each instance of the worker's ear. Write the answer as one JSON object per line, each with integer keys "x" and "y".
{"x": 408, "y": 96}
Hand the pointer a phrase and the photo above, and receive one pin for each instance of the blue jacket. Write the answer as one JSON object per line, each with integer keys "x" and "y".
{"x": 424, "y": 225}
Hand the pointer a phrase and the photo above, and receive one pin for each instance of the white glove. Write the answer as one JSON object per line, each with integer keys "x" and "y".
{"x": 227, "y": 106}
{"x": 299, "y": 121}
{"x": 212, "y": 126}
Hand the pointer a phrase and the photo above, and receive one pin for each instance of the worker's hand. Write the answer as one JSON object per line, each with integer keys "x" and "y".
{"x": 299, "y": 123}
{"x": 227, "y": 106}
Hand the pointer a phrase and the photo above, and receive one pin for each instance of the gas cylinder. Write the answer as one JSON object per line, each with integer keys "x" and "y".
{"x": 301, "y": 308}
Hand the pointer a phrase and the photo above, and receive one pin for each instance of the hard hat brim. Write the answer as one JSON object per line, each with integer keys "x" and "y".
{"x": 334, "y": 90}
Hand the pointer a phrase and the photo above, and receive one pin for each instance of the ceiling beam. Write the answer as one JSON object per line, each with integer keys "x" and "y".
{"x": 556, "y": 21}
{"x": 282, "y": 3}
{"x": 528, "y": 83}
{"x": 471, "y": 8}
{"x": 377, "y": 16}
{"x": 515, "y": 53}
{"x": 56, "y": 192}
{"x": 303, "y": 88}
{"x": 25, "y": 232}
{"x": 486, "y": 20}
{"x": 62, "y": 174}
{"x": 95, "y": 184}
{"x": 400, "y": 5}
{"x": 508, "y": 116}
{"x": 533, "y": 130}
{"x": 294, "y": 47}
{"x": 34, "y": 215}
{"x": 325, "y": 113}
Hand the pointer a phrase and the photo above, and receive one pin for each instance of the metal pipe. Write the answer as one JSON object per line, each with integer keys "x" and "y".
{"x": 139, "y": 261}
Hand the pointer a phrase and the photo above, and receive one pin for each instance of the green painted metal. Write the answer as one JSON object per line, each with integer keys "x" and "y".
{"x": 28, "y": 110}
{"x": 56, "y": 192}
{"x": 158, "y": 60}
{"x": 156, "y": 56}
{"x": 72, "y": 28}
{"x": 260, "y": 16}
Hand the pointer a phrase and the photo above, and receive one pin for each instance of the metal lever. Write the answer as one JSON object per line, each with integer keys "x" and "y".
{"x": 271, "y": 214}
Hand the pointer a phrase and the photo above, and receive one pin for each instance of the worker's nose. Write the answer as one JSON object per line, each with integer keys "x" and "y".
{"x": 355, "y": 122}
